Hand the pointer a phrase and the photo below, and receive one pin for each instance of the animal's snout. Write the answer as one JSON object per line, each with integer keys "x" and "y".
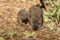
{"x": 35, "y": 28}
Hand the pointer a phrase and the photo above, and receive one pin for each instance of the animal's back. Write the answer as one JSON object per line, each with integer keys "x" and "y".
{"x": 22, "y": 16}
{"x": 35, "y": 16}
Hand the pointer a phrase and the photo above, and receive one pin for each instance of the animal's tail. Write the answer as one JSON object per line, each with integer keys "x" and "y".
{"x": 42, "y": 2}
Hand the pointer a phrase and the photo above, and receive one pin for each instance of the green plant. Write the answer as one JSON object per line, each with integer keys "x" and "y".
{"x": 1, "y": 38}
{"x": 50, "y": 25}
{"x": 28, "y": 34}
{"x": 54, "y": 12}
{"x": 10, "y": 33}
{"x": 47, "y": 1}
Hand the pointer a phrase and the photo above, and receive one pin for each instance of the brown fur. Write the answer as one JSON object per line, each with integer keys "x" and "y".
{"x": 22, "y": 16}
{"x": 35, "y": 17}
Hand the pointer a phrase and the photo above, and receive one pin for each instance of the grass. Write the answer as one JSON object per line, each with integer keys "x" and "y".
{"x": 53, "y": 13}
{"x": 28, "y": 35}
{"x": 1, "y": 38}
{"x": 10, "y": 33}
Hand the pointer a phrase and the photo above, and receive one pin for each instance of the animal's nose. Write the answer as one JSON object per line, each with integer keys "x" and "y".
{"x": 35, "y": 28}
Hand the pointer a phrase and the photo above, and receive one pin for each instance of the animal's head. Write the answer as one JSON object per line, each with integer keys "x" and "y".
{"x": 36, "y": 24}
{"x": 36, "y": 17}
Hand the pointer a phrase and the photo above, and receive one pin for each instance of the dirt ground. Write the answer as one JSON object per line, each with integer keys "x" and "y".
{"x": 8, "y": 22}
